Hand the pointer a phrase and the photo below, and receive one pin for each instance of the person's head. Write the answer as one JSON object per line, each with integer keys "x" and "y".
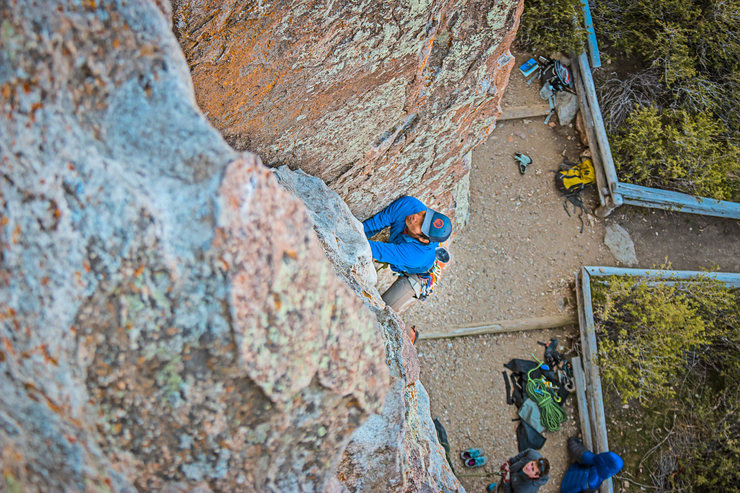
{"x": 436, "y": 226}
{"x": 413, "y": 226}
{"x": 429, "y": 225}
{"x": 535, "y": 469}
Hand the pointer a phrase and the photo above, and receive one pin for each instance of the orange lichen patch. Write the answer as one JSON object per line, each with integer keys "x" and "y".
{"x": 48, "y": 357}
{"x": 9, "y": 346}
{"x": 86, "y": 265}
{"x": 139, "y": 270}
{"x": 427, "y": 54}
{"x": 16, "y": 235}
{"x": 147, "y": 50}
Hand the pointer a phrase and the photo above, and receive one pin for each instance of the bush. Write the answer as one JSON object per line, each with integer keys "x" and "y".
{"x": 677, "y": 150}
{"x": 646, "y": 332}
{"x": 686, "y": 55}
{"x": 673, "y": 353}
{"x": 552, "y": 26}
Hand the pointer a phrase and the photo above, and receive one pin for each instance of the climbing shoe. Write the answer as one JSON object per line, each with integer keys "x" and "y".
{"x": 470, "y": 453}
{"x": 491, "y": 487}
{"x": 476, "y": 461}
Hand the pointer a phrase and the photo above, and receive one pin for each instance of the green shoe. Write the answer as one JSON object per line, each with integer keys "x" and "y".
{"x": 476, "y": 461}
{"x": 470, "y": 453}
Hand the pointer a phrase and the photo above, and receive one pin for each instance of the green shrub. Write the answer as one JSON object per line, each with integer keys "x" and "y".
{"x": 646, "y": 331}
{"x": 692, "y": 50}
{"x": 673, "y": 353}
{"x": 677, "y": 150}
{"x": 552, "y": 26}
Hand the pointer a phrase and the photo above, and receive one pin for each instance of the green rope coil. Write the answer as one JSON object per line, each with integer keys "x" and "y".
{"x": 551, "y": 414}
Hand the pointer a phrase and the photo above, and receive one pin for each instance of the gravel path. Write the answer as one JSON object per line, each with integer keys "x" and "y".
{"x": 515, "y": 259}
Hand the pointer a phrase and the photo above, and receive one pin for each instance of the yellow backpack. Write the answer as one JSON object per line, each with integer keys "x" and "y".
{"x": 572, "y": 178}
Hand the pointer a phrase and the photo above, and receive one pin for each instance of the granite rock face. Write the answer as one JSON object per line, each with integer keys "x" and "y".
{"x": 378, "y": 99}
{"x": 396, "y": 449}
{"x": 168, "y": 320}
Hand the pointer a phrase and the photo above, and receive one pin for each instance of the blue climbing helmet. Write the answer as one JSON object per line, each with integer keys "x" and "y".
{"x": 436, "y": 226}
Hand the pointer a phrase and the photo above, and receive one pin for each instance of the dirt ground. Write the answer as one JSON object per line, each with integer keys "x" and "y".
{"x": 516, "y": 258}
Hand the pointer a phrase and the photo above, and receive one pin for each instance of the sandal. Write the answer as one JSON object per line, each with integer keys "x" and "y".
{"x": 476, "y": 461}
{"x": 470, "y": 453}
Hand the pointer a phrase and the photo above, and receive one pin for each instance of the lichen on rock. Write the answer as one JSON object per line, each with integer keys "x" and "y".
{"x": 378, "y": 99}
{"x": 396, "y": 449}
{"x": 167, "y": 317}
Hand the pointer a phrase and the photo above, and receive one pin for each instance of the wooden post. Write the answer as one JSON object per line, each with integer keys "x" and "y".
{"x": 502, "y": 326}
{"x": 602, "y": 187}
{"x": 591, "y": 370}
{"x": 599, "y": 130}
{"x": 583, "y": 414}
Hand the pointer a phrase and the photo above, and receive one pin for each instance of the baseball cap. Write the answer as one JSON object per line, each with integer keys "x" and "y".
{"x": 436, "y": 226}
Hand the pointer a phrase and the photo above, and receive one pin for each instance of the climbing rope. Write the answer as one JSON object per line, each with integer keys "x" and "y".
{"x": 551, "y": 414}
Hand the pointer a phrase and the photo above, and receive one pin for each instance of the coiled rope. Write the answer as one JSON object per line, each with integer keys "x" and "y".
{"x": 551, "y": 414}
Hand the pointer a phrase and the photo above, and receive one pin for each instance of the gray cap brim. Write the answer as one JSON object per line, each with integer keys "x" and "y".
{"x": 427, "y": 221}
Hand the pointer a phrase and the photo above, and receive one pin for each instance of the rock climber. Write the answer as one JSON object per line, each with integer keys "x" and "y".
{"x": 415, "y": 234}
{"x": 523, "y": 473}
{"x": 589, "y": 470}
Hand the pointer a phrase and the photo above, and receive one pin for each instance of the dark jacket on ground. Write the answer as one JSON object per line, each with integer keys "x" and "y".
{"x": 590, "y": 469}
{"x": 520, "y": 482}
{"x": 402, "y": 252}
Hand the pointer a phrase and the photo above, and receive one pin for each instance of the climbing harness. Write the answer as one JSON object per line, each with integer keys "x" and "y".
{"x": 428, "y": 280}
{"x": 563, "y": 368}
{"x": 539, "y": 390}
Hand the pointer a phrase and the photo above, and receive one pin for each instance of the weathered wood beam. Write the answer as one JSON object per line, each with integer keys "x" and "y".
{"x": 517, "y": 112}
{"x": 583, "y": 413}
{"x": 501, "y": 326}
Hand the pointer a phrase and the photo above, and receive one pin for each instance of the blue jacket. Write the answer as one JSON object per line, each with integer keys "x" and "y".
{"x": 590, "y": 471}
{"x": 402, "y": 252}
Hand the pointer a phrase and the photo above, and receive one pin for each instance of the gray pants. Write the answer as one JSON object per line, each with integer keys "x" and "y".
{"x": 403, "y": 292}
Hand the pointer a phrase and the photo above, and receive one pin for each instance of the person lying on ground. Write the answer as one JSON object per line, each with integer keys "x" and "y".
{"x": 589, "y": 470}
{"x": 523, "y": 473}
{"x": 415, "y": 233}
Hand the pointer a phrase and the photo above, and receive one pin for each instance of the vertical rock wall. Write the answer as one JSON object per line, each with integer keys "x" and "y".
{"x": 378, "y": 99}
{"x": 396, "y": 449}
{"x": 168, "y": 320}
